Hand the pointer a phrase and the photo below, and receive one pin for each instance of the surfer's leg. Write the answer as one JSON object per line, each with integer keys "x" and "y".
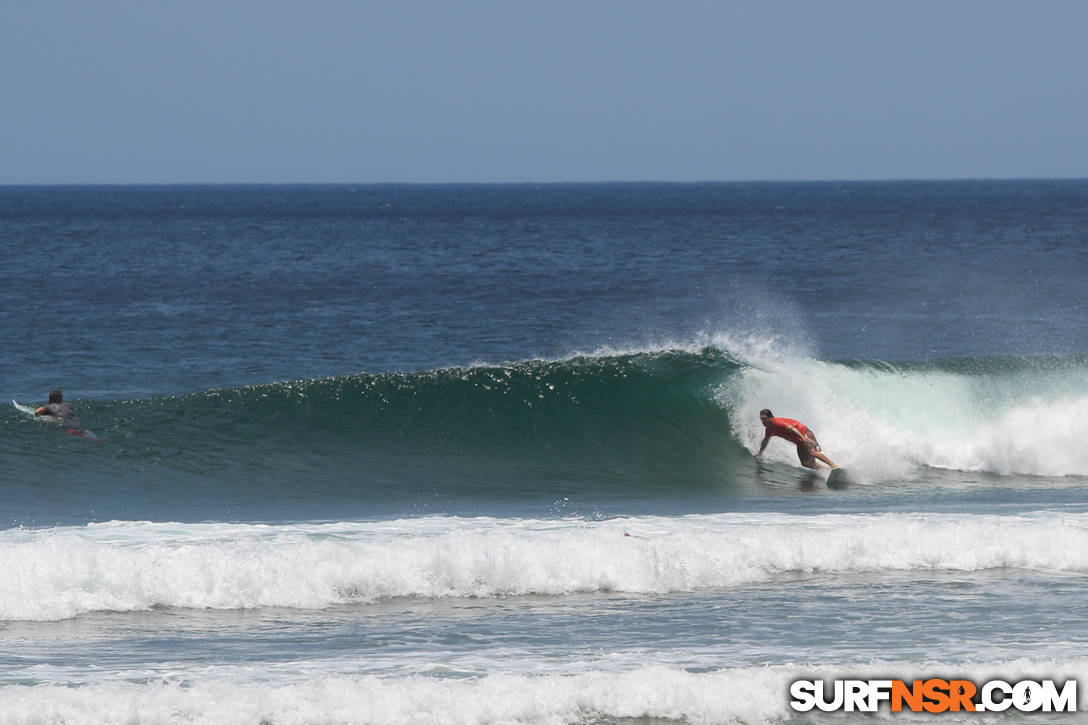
{"x": 812, "y": 451}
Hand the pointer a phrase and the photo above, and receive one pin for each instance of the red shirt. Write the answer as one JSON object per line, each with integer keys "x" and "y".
{"x": 778, "y": 427}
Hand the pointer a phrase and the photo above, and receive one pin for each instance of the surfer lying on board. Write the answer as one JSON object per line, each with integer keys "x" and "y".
{"x": 808, "y": 450}
{"x": 57, "y": 408}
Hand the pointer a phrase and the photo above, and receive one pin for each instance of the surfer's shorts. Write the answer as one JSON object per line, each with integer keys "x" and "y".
{"x": 807, "y": 447}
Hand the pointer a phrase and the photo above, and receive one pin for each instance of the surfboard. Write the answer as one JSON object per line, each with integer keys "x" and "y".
{"x": 838, "y": 478}
{"x": 28, "y": 409}
{"x": 79, "y": 432}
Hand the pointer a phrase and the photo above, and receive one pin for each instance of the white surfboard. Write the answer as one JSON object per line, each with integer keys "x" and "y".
{"x": 28, "y": 409}
{"x": 75, "y": 430}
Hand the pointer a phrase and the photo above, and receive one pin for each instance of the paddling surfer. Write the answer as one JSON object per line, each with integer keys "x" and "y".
{"x": 62, "y": 411}
{"x": 808, "y": 449}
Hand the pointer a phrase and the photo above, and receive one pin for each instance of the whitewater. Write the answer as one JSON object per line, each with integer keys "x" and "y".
{"x": 119, "y": 567}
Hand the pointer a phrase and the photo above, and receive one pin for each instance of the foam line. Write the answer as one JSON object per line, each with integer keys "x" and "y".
{"x": 61, "y": 573}
{"x": 750, "y": 695}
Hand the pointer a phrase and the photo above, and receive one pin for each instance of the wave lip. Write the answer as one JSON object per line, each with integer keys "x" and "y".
{"x": 61, "y": 573}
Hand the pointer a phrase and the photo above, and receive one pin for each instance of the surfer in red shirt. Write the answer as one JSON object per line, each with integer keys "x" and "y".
{"x": 808, "y": 450}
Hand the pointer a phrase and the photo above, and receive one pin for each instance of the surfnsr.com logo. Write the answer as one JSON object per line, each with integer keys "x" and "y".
{"x": 933, "y": 695}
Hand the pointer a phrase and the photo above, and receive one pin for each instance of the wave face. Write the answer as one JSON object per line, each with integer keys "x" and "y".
{"x": 677, "y": 422}
{"x": 625, "y": 424}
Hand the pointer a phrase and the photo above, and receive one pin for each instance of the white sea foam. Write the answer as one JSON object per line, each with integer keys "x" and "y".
{"x": 885, "y": 422}
{"x": 753, "y": 695}
{"x": 60, "y": 573}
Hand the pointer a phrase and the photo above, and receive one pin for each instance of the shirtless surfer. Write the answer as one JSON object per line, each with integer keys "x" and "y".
{"x": 57, "y": 408}
{"x": 808, "y": 450}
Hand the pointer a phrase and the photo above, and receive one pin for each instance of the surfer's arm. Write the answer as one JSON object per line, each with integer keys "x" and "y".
{"x": 41, "y": 411}
{"x": 763, "y": 445}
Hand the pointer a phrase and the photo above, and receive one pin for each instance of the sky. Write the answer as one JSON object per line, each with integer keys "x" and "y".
{"x": 426, "y": 91}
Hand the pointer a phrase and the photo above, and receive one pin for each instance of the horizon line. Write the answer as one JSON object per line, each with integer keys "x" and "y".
{"x": 657, "y": 182}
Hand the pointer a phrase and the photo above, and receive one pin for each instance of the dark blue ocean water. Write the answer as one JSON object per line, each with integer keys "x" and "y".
{"x": 121, "y": 291}
{"x": 483, "y": 453}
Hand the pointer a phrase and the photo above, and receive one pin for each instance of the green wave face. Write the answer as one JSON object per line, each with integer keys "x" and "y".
{"x": 638, "y": 420}
{"x": 621, "y": 423}
{"x": 675, "y": 423}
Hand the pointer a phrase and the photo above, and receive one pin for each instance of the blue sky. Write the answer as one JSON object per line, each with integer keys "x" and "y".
{"x": 481, "y": 91}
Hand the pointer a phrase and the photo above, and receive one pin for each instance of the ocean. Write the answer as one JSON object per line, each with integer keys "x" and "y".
{"x": 484, "y": 453}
